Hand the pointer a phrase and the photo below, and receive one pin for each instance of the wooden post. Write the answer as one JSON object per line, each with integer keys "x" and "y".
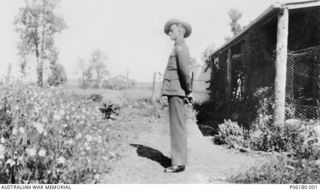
{"x": 9, "y": 70}
{"x": 126, "y": 85}
{"x": 154, "y": 88}
{"x": 281, "y": 68}
{"x": 229, "y": 78}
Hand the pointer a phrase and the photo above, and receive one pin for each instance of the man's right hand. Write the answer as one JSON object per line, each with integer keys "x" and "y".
{"x": 189, "y": 99}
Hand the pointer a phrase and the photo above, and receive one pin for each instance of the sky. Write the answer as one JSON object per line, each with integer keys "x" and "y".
{"x": 130, "y": 32}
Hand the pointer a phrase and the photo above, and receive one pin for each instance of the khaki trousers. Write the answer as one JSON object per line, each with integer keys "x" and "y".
{"x": 178, "y": 131}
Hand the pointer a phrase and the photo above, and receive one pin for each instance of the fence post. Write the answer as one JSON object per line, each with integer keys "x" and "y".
{"x": 154, "y": 88}
{"x": 126, "y": 85}
{"x": 9, "y": 70}
{"x": 281, "y": 68}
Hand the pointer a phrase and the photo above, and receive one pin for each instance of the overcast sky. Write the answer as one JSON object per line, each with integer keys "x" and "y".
{"x": 130, "y": 32}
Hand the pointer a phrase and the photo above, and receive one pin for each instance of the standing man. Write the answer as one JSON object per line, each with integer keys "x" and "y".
{"x": 177, "y": 87}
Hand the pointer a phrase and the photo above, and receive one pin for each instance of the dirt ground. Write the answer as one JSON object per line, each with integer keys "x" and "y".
{"x": 146, "y": 152}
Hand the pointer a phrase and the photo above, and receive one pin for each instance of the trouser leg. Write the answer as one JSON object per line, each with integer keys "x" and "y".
{"x": 178, "y": 134}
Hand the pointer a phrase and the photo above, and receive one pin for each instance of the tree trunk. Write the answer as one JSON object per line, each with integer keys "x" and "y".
{"x": 98, "y": 80}
{"x": 281, "y": 68}
{"x": 39, "y": 67}
{"x": 83, "y": 80}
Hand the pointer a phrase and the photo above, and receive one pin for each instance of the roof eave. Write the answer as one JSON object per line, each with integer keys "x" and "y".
{"x": 240, "y": 36}
{"x": 269, "y": 11}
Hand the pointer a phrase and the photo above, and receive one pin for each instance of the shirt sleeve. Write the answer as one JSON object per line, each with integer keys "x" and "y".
{"x": 183, "y": 66}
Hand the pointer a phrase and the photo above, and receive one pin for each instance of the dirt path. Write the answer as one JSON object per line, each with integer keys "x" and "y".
{"x": 146, "y": 154}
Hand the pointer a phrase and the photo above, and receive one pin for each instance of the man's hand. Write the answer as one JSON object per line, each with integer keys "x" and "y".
{"x": 163, "y": 101}
{"x": 188, "y": 99}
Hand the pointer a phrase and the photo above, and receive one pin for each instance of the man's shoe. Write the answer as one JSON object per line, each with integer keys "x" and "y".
{"x": 174, "y": 169}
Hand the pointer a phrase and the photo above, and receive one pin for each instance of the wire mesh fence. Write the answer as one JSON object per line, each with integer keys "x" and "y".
{"x": 302, "y": 85}
{"x": 303, "y": 82}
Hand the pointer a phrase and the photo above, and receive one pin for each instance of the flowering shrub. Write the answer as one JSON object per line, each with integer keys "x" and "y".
{"x": 297, "y": 142}
{"x": 50, "y": 136}
{"x": 231, "y": 133}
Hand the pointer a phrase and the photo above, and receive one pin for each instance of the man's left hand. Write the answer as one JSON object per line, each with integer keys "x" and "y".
{"x": 188, "y": 99}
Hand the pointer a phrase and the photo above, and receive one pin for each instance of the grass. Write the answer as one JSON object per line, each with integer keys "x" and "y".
{"x": 280, "y": 170}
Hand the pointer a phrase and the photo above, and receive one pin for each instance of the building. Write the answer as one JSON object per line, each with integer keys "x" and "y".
{"x": 278, "y": 51}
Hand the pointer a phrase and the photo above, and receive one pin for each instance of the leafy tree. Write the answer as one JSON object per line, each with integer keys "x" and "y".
{"x": 37, "y": 24}
{"x": 205, "y": 55}
{"x": 58, "y": 75}
{"x": 234, "y": 15}
{"x": 85, "y": 71}
{"x": 98, "y": 64}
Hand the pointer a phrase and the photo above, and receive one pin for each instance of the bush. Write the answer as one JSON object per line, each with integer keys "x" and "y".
{"x": 297, "y": 143}
{"x": 49, "y": 136}
{"x": 299, "y": 146}
{"x": 118, "y": 83}
{"x": 232, "y": 134}
{"x": 58, "y": 75}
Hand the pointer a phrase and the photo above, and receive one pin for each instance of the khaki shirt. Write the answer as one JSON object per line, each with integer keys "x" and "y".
{"x": 177, "y": 77}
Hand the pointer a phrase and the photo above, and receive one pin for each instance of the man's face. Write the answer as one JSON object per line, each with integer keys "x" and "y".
{"x": 174, "y": 32}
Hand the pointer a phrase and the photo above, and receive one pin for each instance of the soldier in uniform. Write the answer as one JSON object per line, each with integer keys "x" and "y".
{"x": 177, "y": 88}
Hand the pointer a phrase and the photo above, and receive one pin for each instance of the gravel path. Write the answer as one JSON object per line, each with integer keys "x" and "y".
{"x": 146, "y": 154}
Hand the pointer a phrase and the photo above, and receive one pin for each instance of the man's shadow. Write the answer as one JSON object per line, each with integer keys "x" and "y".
{"x": 152, "y": 154}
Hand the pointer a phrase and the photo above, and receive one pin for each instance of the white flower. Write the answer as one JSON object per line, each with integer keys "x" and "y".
{"x": 39, "y": 127}
{"x": 31, "y": 152}
{"x": 21, "y": 129}
{"x": 10, "y": 162}
{"x": 97, "y": 176}
{"x": 2, "y": 140}
{"x": 2, "y": 151}
{"x": 42, "y": 152}
{"x": 61, "y": 112}
{"x": 317, "y": 130}
{"x": 16, "y": 107}
{"x": 44, "y": 120}
{"x": 20, "y": 158}
{"x": 89, "y": 138}
{"x": 70, "y": 141}
{"x": 14, "y": 131}
{"x": 61, "y": 160}
{"x": 78, "y": 136}
{"x": 36, "y": 110}
{"x": 56, "y": 117}
{"x": 112, "y": 154}
{"x": 99, "y": 139}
